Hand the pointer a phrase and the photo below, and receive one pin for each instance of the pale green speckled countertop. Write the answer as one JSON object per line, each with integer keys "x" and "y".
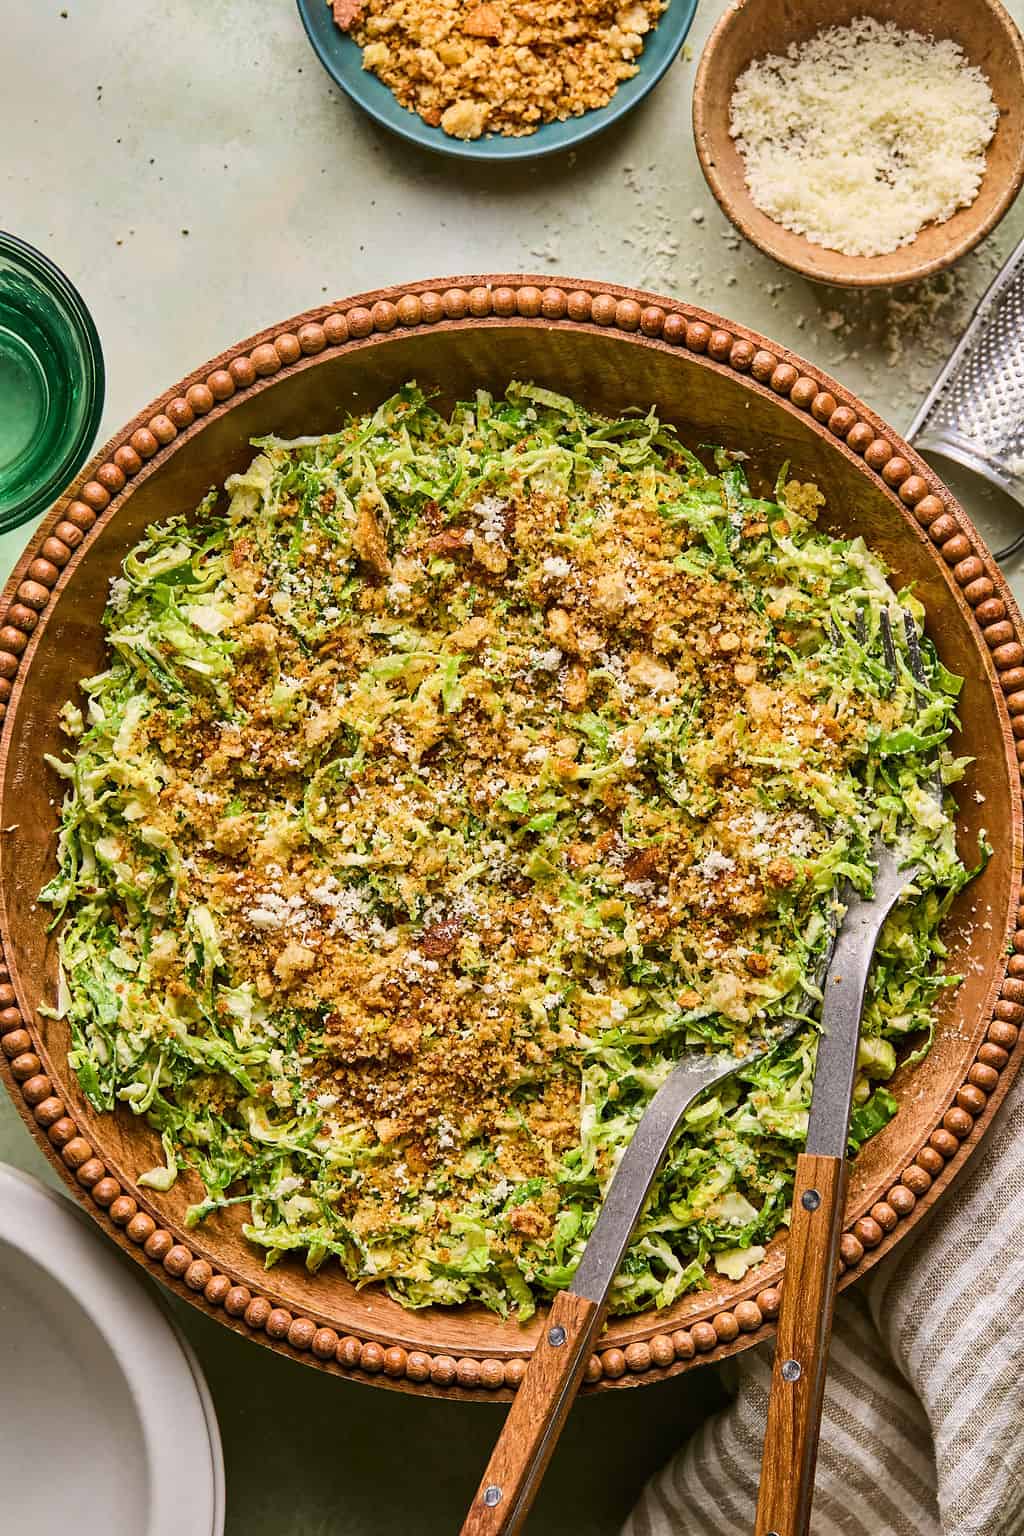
{"x": 199, "y": 177}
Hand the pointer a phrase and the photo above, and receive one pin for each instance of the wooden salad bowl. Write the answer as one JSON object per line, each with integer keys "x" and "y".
{"x": 612, "y": 348}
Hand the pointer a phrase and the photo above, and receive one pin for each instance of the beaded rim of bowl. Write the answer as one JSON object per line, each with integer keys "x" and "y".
{"x": 93, "y": 499}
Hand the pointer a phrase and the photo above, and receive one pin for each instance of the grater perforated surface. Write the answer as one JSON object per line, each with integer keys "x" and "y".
{"x": 975, "y": 410}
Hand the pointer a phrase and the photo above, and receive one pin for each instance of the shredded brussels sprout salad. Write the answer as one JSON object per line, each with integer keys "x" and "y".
{"x": 448, "y": 778}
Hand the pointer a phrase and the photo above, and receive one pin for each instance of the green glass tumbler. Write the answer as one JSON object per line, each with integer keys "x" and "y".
{"x": 51, "y": 382}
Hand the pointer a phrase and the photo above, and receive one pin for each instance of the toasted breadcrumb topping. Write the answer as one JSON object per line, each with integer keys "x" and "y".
{"x": 505, "y": 67}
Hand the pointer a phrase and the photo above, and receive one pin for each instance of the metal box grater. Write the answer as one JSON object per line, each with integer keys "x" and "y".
{"x": 974, "y": 412}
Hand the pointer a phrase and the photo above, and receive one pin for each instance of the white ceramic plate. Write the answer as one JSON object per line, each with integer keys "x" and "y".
{"x": 107, "y": 1424}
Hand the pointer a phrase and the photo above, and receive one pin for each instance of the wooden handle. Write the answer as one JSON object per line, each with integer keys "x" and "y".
{"x": 801, "y": 1350}
{"x": 536, "y": 1418}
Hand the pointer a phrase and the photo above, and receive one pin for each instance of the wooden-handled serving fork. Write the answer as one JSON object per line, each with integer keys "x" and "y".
{"x": 819, "y": 1192}
{"x": 816, "y": 1224}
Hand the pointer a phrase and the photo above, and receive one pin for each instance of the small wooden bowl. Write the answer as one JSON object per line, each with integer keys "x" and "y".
{"x": 750, "y": 29}
{"x": 612, "y": 348}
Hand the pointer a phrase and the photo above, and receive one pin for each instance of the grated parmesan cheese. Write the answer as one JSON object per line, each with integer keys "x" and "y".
{"x": 863, "y": 134}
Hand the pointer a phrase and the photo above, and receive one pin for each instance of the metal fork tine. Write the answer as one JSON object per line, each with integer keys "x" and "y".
{"x": 914, "y": 657}
{"x": 860, "y": 629}
{"x": 860, "y": 626}
{"x": 888, "y": 643}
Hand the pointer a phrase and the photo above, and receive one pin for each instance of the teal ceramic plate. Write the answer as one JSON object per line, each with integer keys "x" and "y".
{"x": 342, "y": 60}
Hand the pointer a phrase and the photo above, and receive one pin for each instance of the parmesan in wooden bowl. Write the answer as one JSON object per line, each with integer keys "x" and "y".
{"x": 862, "y": 148}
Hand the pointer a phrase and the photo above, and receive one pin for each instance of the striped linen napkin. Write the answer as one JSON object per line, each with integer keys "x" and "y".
{"x": 923, "y": 1432}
